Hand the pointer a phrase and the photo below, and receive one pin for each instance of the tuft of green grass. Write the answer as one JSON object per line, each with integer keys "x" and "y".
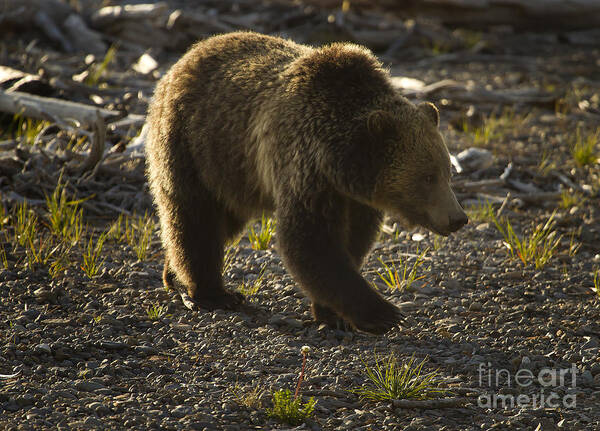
{"x": 27, "y": 129}
{"x": 116, "y": 231}
{"x": 484, "y": 134}
{"x": 229, "y": 256}
{"x": 597, "y": 282}
{"x": 250, "y": 288}
{"x": 156, "y": 312}
{"x": 538, "y": 247}
{"x": 570, "y": 199}
{"x": 583, "y": 147}
{"x": 250, "y": 399}
{"x": 58, "y": 265}
{"x": 482, "y": 212}
{"x": 39, "y": 251}
{"x": 574, "y": 246}
{"x": 25, "y": 224}
{"x": 290, "y": 410}
{"x": 402, "y": 275}
{"x": 390, "y": 380}
{"x": 3, "y": 257}
{"x": 135, "y": 231}
{"x": 141, "y": 234}
{"x": 91, "y": 256}
{"x": 260, "y": 240}
{"x": 3, "y": 216}
{"x": 65, "y": 218}
{"x": 546, "y": 164}
{"x": 96, "y": 71}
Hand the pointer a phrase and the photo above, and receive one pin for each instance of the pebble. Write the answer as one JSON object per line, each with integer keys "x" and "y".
{"x": 475, "y": 306}
{"x": 88, "y": 385}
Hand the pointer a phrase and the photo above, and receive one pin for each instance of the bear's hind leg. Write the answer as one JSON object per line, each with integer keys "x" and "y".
{"x": 194, "y": 231}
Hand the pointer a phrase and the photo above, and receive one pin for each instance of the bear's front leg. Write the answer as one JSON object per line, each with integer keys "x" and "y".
{"x": 311, "y": 242}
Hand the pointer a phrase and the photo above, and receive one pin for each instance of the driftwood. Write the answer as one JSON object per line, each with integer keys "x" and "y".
{"x": 16, "y": 80}
{"x": 21, "y": 13}
{"x": 83, "y": 38}
{"x": 97, "y": 148}
{"x": 45, "y": 108}
{"x": 108, "y": 15}
{"x": 458, "y": 92}
{"x": 543, "y": 15}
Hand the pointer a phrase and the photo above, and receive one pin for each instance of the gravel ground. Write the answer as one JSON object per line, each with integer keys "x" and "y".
{"x": 88, "y": 356}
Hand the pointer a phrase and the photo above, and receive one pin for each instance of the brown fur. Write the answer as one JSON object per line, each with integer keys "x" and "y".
{"x": 246, "y": 123}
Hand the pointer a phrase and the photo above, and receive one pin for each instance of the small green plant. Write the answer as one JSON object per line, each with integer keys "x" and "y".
{"x": 261, "y": 240}
{"x": 3, "y": 258}
{"x": 574, "y": 246}
{"x": 39, "y": 251}
{"x": 229, "y": 256}
{"x": 390, "y": 380}
{"x": 25, "y": 225}
{"x": 403, "y": 275}
{"x": 546, "y": 164}
{"x": 145, "y": 227}
{"x": 250, "y": 399}
{"x": 597, "y": 282}
{"x": 537, "y": 248}
{"x": 116, "y": 231}
{"x": 26, "y": 129}
{"x": 250, "y": 288}
{"x": 482, "y": 212}
{"x": 91, "y": 256}
{"x": 58, "y": 265}
{"x": 64, "y": 216}
{"x": 438, "y": 242}
{"x": 290, "y": 410}
{"x": 96, "y": 70}
{"x": 484, "y": 134}
{"x": 136, "y": 231}
{"x": 3, "y": 217}
{"x": 83, "y": 374}
{"x": 570, "y": 199}
{"x": 583, "y": 147}
{"x": 156, "y": 312}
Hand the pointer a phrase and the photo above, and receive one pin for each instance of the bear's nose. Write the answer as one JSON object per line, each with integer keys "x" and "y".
{"x": 457, "y": 223}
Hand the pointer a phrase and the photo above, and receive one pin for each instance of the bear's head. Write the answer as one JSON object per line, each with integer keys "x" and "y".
{"x": 414, "y": 181}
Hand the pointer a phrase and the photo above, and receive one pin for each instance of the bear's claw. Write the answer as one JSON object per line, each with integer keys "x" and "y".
{"x": 225, "y": 300}
{"x": 386, "y": 317}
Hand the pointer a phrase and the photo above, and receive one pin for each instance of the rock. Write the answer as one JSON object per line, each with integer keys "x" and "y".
{"x": 25, "y": 400}
{"x": 472, "y": 159}
{"x": 591, "y": 342}
{"x": 43, "y": 348}
{"x": 181, "y": 411}
{"x": 112, "y": 345}
{"x": 45, "y": 296}
{"x": 88, "y": 385}
{"x": 475, "y": 306}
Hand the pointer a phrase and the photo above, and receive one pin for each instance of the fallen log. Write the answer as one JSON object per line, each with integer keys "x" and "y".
{"x": 45, "y": 108}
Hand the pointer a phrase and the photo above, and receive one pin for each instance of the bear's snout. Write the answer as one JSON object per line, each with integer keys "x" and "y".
{"x": 458, "y": 222}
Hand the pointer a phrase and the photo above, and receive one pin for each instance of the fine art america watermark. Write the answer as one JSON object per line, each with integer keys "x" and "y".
{"x": 546, "y": 379}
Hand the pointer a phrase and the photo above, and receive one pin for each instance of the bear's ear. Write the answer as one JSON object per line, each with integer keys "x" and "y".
{"x": 430, "y": 111}
{"x": 380, "y": 123}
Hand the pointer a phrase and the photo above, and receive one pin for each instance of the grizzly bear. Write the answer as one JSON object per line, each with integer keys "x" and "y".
{"x": 246, "y": 123}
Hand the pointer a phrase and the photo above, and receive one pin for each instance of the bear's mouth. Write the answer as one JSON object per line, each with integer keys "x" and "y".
{"x": 423, "y": 220}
